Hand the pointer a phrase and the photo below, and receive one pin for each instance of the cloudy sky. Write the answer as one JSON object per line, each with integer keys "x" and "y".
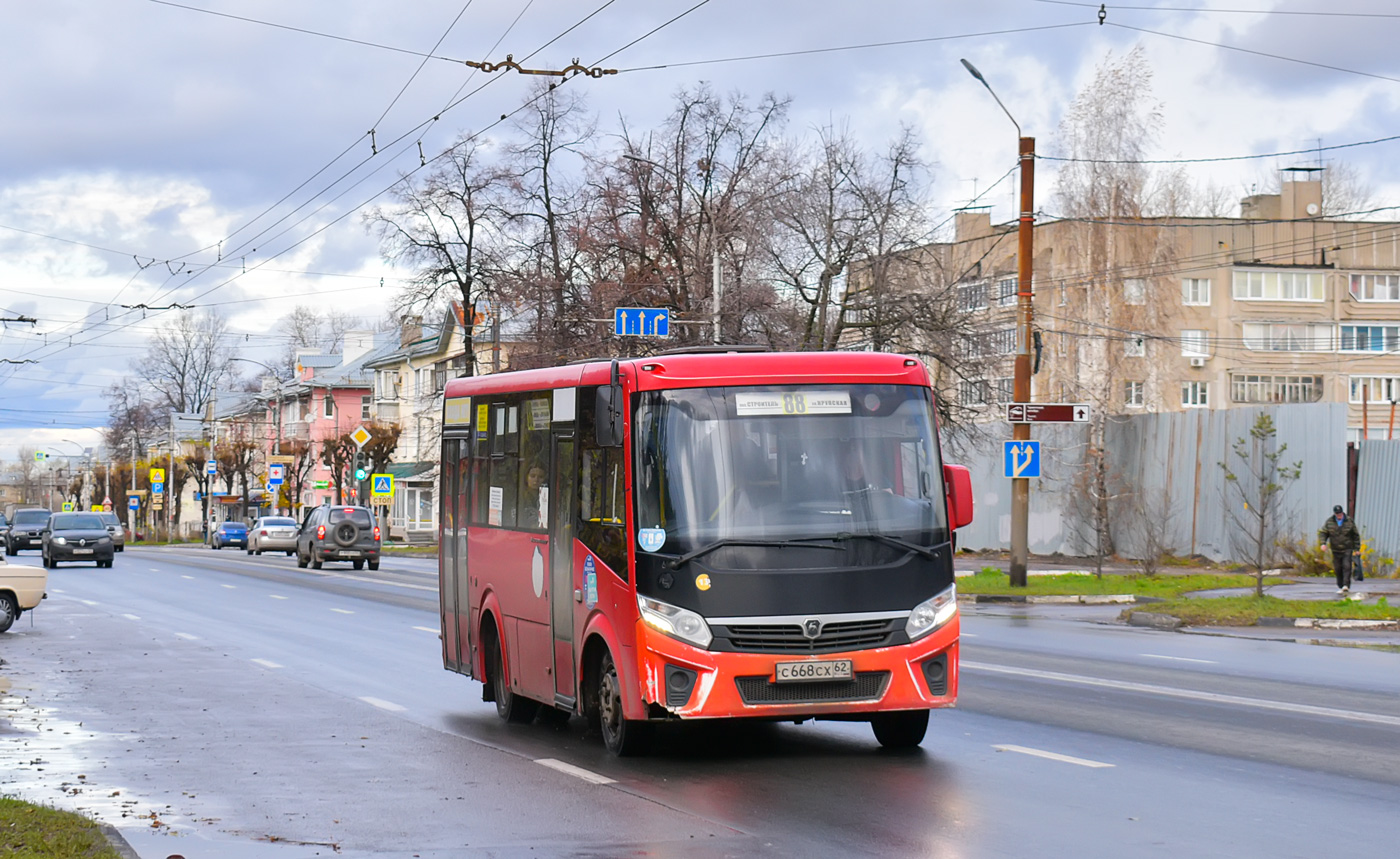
{"x": 214, "y": 152}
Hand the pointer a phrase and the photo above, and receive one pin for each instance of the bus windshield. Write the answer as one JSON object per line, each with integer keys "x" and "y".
{"x": 775, "y": 463}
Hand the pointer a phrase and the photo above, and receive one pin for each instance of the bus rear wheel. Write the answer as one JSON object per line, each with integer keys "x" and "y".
{"x": 509, "y": 706}
{"x": 622, "y": 736}
{"x": 904, "y": 729}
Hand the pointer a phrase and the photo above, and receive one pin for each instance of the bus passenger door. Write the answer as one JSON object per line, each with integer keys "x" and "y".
{"x": 562, "y": 494}
{"x": 447, "y": 556}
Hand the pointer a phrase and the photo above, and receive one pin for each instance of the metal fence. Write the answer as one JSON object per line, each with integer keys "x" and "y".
{"x": 1164, "y": 474}
{"x": 1378, "y": 497}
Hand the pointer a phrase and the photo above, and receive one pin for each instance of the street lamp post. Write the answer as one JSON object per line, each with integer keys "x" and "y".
{"x": 1021, "y": 383}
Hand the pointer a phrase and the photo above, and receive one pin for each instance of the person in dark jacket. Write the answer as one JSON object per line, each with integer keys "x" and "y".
{"x": 1340, "y": 534}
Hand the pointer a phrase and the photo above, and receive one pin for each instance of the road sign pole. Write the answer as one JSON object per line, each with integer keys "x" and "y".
{"x": 1021, "y": 384}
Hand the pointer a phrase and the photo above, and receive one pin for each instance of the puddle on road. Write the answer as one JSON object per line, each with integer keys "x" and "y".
{"x": 48, "y": 760}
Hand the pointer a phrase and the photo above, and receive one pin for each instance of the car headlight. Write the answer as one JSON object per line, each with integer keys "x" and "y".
{"x": 932, "y": 613}
{"x": 675, "y": 621}
{"x": 104, "y": 540}
{"x": 62, "y": 541}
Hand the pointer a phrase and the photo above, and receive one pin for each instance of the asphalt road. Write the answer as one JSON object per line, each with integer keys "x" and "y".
{"x": 213, "y": 704}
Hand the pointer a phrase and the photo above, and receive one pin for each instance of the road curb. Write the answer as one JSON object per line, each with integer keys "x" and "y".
{"x": 1330, "y": 623}
{"x": 1155, "y": 620}
{"x": 117, "y": 841}
{"x": 1054, "y": 599}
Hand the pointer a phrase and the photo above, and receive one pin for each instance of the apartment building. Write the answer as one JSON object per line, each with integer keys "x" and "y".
{"x": 1279, "y": 305}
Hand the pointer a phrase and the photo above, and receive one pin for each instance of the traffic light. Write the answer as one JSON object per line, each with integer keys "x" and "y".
{"x": 361, "y": 474}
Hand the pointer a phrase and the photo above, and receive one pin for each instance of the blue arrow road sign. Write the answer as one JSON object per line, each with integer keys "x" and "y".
{"x": 642, "y": 322}
{"x": 1021, "y": 458}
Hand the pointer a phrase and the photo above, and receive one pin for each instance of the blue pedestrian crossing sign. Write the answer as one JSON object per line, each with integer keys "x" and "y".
{"x": 381, "y": 485}
{"x": 1021, "y": 458}
{"x": 642, "y": 322}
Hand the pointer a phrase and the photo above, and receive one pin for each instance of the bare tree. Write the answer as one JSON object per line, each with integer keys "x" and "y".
{"x": 338, "y": 454}
{"x": 186, "y": 360}
{"x": 132, "y": 422}
{"x": 441, "y": 228}
{"x": 234, "y": 458}
{"x": 1258, "y": 479}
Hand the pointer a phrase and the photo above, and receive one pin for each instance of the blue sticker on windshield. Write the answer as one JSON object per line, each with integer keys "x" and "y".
{"x": 590, "y": 583}
{"x": 651, "y": 539}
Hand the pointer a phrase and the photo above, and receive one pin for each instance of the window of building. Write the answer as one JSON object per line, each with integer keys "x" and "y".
{"x": 1133, "y": 396}
{"x": 387, "y": 384}
{"x": 1195, "y": 343}
{"x": 1375, "y": 287}
{"x": 1006, "y": 291}
{"x": 1287, "y": 336}
{"x": 973, "y": 392}
{"x": 1002, "y": 342}
{"x": 364, "y": 407}
{"x": 328, "y": 405}
{"x": 1135, "y": 290}
{"x": 1195, "y": 395}
{"x": 1135, "y": 346}
{"x": 972, "y": 296}
{"x": 1252, "y": 388}
{"x": 1279, "y": 285}
{"x": 1195, "y": 291}
{"x": 1004, "y": 389}
{"x": 1373, "y": 389}
{"x": 1367, "y": 337}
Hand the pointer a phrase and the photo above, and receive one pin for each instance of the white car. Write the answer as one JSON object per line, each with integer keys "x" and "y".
{"x": 21, "y": 589}
{"x": 273, "y": 534}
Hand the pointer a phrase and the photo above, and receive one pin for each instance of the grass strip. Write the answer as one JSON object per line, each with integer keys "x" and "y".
{"x": 30, "y": 831}
{"x": 993, "y": 581}
{"x": 1246, "y": 610}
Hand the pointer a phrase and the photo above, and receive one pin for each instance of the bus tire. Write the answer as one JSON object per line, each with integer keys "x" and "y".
{"x": 904, "y": 729}
{"x": 509, "y": 706}
{"x": 622, "y": 736}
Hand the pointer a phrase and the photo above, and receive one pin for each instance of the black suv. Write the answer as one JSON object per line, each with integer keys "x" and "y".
{"x": 25, "y": 530}
{"x": 339, "y": 534}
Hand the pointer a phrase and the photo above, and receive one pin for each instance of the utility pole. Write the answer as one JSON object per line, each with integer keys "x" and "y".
{"x": 170, "y": 483}
{"x": 1021, "y": 382}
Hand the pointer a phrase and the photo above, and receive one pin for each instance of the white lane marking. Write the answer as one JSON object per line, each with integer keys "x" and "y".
{"x": 278, "y": 596}
{"x": 384, "y": 705}
{"x": 1052, "y": 756}
{"x": 267, "y": 663}
{"x": 1189, "y": 694}
{"x": 187, "y": 577}
{"x": 576, "y": 772}
{"x": 57, "y": 591}
{"x": 187, "y": 636}
{"x": 427, "y": 629}
{"x": 152, "y": 569}
{"x": 230, "y": 587}
{"x": 371, "y": 581}
{"x": 131, "y": 617}
{"x": 1179, "y": 658}
{"x": 87, "y": 602}
{"x": 342, "y": 611}
{"x": 967, "y": 635}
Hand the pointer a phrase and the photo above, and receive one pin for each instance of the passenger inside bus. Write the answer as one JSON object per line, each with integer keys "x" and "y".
{"x": 533, "y": 499}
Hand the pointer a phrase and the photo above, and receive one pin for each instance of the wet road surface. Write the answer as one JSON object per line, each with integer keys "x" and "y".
{"x": 216, "y": 704}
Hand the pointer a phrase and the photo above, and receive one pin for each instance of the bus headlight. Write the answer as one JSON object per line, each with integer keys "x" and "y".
{"x": 931, "y": 614}
{"x": 675, "y": 621}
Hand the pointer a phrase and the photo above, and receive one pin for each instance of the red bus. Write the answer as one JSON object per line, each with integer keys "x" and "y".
{"x": 703, "y": 535}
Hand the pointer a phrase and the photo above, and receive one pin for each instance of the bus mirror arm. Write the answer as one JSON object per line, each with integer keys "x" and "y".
{"x": 608, "y": 415}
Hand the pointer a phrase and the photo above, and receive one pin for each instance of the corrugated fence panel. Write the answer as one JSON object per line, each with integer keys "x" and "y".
{"x": 1162, "y": 467}
{"x": 1378, "y": 496}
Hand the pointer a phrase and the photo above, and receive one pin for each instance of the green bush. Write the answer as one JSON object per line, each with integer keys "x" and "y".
{"x": 1306, "y": 557}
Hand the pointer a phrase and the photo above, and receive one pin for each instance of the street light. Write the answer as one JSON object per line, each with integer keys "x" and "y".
{"x": 1021, "y": 383}
{"x": 715, "y": 287}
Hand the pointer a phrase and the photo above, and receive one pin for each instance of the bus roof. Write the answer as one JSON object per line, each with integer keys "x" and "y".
{"x": 705, "y": 369}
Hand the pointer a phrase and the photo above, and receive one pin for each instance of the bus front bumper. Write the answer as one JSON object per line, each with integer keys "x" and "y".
{"x": 700, "y": 684}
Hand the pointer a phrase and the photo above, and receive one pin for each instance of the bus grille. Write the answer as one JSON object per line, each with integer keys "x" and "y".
{"x": 867, "y": 686}
{"x": 788, "y": 638}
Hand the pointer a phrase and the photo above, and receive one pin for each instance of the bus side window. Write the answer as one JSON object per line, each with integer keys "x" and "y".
{"x": 602, "y": 516}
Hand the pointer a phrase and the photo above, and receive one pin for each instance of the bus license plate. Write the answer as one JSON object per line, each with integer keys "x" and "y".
{"x": 812, "y": 670}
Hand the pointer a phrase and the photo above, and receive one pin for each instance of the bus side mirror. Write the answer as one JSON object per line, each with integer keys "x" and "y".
{"x": 957, "y": 481}
{"x": 608, "y": 416}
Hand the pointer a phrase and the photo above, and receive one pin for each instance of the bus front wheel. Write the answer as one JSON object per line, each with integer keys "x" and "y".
{"x": 623, "y": 737}
{"x": 509, "y": 706}
{"x": 904, "y": 729}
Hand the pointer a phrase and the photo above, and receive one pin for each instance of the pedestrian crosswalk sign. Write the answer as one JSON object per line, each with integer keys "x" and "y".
{"x": 381, "y": 485}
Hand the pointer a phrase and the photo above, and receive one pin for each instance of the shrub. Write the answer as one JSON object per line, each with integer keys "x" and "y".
{"x": 1306, "y": 557}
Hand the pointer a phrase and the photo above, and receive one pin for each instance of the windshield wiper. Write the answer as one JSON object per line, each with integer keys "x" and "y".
{"x": 677, "y": 563}
{"x": 926, "y": 551}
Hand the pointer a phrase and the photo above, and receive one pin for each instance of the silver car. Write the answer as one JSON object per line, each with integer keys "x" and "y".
{"x": 114, "y": 527}
{"x": 273, "y": 534}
